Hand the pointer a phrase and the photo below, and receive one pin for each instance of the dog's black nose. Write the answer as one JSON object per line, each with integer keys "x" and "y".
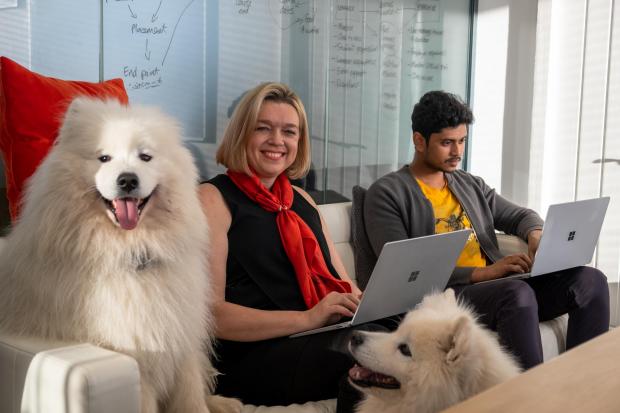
{"x": 127, "y": 181}
{"x": 357, "y": 339}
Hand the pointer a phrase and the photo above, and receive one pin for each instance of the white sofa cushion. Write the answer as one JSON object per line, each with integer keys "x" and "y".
{"x": 338, "y": 220}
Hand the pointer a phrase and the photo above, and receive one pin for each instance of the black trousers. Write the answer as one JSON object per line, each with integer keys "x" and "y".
{"x": 513, "y": 308}
{"x": 292, "y": 370}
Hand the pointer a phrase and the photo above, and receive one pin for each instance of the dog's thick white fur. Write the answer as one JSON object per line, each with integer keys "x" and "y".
{"x": 111, "y": 249}
{"x": 438, "y": 356}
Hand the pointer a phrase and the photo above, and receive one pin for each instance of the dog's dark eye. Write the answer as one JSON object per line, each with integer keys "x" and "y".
{"x": 404, "y": 350}
{"x": 144, "y": 157}
{"x": 105, "y": 158}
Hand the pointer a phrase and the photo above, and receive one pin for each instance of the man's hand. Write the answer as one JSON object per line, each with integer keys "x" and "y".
{"x": 533, "y": 240}
{"x": 511, "y": 264}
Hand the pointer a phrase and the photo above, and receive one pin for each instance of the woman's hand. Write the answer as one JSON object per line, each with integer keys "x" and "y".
{"x": 511, "y": 264}
{"x": 356, "y": 291}
{"x": 332, "y": 308}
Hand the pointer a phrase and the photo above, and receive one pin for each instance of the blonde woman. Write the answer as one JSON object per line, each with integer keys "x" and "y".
{"x": 276, "y": 271}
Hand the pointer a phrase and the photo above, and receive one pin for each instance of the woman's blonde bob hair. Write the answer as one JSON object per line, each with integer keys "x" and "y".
{"x": 232, "y": 150}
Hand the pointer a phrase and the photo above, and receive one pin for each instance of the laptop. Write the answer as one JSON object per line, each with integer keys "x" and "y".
{"x": 569, "y": 237}
{"x": 405, "y": 272}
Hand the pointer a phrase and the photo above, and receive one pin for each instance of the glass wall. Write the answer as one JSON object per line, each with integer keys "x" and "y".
{"x": 358, "y": 66}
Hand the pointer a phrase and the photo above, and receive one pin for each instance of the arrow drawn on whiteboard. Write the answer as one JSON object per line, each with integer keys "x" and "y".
{"x": 147, "y": 52}
{"x": 155, "y": 15}
{"x": 175, "y": 29}
{"x": 134, "y": 15}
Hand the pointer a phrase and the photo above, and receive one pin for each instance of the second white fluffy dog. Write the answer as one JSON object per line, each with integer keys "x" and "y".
{"x": 437, "y": 357}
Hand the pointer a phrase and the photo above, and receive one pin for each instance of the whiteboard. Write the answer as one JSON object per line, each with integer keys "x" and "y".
{"x": 158, "y": 48}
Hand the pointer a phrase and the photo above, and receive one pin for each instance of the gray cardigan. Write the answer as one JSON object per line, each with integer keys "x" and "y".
{"x": 395, "y": 208}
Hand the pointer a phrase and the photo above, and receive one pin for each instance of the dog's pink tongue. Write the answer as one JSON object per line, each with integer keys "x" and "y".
{"x": 358, "y": 372}
{"x": 126, "y": 210}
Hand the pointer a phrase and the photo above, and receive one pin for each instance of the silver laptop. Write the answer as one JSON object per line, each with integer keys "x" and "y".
{"x": 569, "y": 237}
{"x": 405, "y": 272}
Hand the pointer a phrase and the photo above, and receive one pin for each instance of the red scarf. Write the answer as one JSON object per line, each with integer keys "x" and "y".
{"x": 302, "y": 248}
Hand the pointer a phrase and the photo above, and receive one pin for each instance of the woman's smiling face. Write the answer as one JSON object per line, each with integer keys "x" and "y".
{"x": 272, "y": 145}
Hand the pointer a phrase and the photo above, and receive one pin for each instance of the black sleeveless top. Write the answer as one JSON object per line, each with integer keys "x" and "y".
{"x": 258, "y": 271}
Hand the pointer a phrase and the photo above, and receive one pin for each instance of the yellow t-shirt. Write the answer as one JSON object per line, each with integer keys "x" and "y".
{"x": 450, "y": 216}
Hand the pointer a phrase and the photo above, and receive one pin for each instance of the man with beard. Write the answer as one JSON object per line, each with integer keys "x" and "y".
{"x": 431, "y": 195}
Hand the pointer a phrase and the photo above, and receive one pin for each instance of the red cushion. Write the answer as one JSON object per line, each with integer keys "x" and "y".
{"x": 31, "y": 111}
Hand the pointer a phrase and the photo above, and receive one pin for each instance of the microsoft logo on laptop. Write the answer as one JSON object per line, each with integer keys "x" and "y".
{"x": 413, "y": 276}
{"x": 571, "y": 235}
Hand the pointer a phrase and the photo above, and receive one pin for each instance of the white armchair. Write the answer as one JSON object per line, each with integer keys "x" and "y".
{"x": 38, "y": 376}
{"x": 53, "y": 377}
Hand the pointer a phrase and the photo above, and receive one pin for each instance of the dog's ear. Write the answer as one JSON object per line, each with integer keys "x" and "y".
{"x": 449, "y": 295}
{"x": 459, "y": 340}
{"x": 88, "y": 104}
{"x": 76, "y": 106}
{"x": 72, "y": 116}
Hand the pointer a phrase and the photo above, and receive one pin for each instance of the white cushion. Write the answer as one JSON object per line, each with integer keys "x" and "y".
{"x": 345, "y": 251}
{"x": 338, "y": 220}
{"x": 553, "y": 336}
{"x": 511, "y": 244}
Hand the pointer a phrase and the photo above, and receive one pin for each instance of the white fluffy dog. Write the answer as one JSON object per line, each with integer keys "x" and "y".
{"x": 438, "y": 356}
{"x": 111, "y": 249}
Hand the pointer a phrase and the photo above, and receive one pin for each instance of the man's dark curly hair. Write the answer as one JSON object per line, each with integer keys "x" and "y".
{"x": 437, "y": 110}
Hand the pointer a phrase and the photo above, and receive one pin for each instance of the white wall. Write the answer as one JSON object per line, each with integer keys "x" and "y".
{"x": 575, "y": 143}
{"x": 546, "y": 99}
{"x": 489, "y": 68}
{"x": 502, "y": 94}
